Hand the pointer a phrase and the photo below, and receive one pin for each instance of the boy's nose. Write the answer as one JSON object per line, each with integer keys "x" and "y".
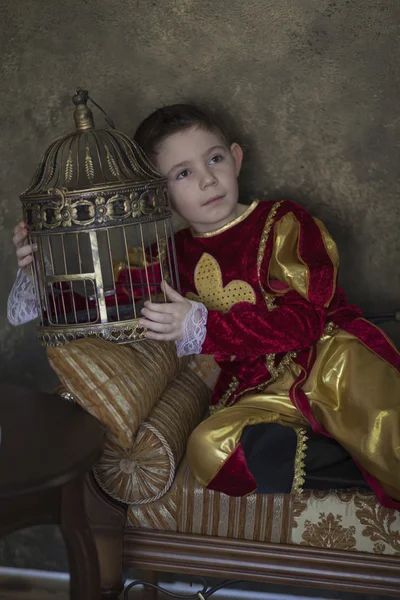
{"x": 207, "y": 179}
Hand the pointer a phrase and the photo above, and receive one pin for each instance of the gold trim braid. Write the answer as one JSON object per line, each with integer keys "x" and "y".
{"x": 233, "y": 386}
{"x": 299, "y": 462}
{"x": 269, "y": 299}
{"x": 276, "y": 372}
{"x": 236, "y": 221}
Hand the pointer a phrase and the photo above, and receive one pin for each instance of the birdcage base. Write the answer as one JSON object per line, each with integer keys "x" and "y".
{"x": 121, "y": 333}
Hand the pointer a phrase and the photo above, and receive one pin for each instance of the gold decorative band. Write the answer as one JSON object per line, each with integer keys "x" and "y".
{"x": 299, "y": 462}
{"x": 67, "y": 211}
{"x": 124, "y": 332}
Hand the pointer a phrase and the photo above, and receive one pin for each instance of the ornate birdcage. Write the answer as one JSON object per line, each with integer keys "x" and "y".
{"x": 99, "y": 214}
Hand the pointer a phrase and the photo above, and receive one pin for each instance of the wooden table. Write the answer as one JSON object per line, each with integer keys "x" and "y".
{"x": 47, "y": 445}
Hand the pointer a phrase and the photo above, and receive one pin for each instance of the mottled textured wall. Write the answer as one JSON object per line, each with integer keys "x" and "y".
{"x": 312, "y": 84}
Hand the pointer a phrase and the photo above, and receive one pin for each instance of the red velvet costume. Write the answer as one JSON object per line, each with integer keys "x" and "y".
{"x": 268, "y": 280}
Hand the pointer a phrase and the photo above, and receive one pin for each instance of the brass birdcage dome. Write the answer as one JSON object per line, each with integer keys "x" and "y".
{"x": 99, "y": 213}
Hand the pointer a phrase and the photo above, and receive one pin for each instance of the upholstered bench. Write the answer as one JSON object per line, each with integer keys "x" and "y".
{"x": 147, "y": 511}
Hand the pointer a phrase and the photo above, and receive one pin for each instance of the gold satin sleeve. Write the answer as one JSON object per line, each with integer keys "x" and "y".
{"x": 286, "y": 265}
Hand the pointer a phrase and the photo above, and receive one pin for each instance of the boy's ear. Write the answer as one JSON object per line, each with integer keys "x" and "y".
{"x": 237, "y": 154}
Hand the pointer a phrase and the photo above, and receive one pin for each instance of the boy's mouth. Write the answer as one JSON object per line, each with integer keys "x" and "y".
{"x": 213, "y": 199}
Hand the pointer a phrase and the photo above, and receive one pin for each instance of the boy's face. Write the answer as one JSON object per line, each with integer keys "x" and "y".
{"x": 202, "y": 176}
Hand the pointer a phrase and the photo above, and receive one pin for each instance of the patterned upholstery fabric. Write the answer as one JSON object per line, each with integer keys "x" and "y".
{"x": 118, "y": 384}
{"x": 146, "y": 471}
{"x": 339, "y": 519}
{"x": 345, "y": 520}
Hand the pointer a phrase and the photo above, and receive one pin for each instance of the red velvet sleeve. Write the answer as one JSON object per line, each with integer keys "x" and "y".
{"x": 248, "y": 330}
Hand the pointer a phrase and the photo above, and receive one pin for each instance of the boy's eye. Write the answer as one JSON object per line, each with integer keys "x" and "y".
{"x": 183, "y": 174}
{"x": 216, "y": 159}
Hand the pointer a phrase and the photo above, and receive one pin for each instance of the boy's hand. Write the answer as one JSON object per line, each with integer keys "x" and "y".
{"x": 23, "y": 249}
{"x": 164, "y": 321}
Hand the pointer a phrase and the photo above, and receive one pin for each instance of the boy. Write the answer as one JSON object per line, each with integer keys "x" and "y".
{"x": 292, "y": 352}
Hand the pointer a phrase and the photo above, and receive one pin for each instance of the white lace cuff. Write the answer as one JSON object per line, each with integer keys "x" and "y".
{"x": 22, "y": 304}
{"x": 194, "y": 329}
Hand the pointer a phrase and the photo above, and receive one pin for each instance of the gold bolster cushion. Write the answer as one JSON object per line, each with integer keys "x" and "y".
{"x": 149, "y": 402}
{"x": 117, "y": 384}
{"x": 145, "y": 472}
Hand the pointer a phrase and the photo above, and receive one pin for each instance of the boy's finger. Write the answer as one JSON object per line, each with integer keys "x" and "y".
{"x": 24, "y": 262}
{"x": 154, "y": 326}
{"x": 25, "y": 250}
{"x": 154, "y": 315}
{"x": 159, "y": 307}
{"x": 19, "y": 226}
{"x": 170, "y": 292}
{"x": 20, "y": 238}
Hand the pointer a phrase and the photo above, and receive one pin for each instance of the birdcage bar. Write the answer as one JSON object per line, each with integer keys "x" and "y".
{"x": 172, "y": 267}
{"x": 78, "y": 245}
{"x": 153, "y": 246}
{"x": 113, "y": 278}
{"x": 129, "y": 271}
{"x": 159, "y": 253}
{"x": 151, "y": 260}
{"x": 141, "y": 264}
{"x": 52, "y": 271}
{"x": 145, "y": 260}
{"x": 35, "y": 280}
{"x": 99, "y": 284}
{"x": 106, "y": 260}
{"x": 162, "y": 251}
{"x": 68, "y": 282}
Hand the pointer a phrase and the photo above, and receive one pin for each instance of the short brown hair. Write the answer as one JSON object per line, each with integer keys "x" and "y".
{"x": 171, "y": 119}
